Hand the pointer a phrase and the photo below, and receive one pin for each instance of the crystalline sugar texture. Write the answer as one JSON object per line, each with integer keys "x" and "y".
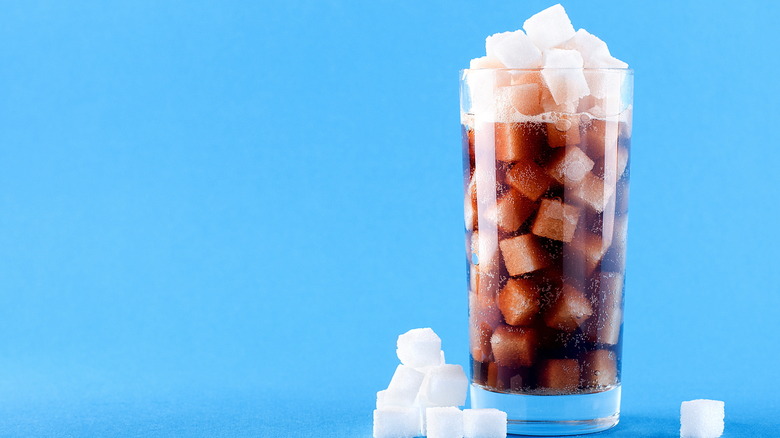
{"x": 419, "y": 348}
{"x": 513, "y": 49}
{"x": 396, "y": 422}
{"x": 549, "y": 28}
{"x": 701, "y": 419}
{"x": 563, "y": 74}
{"x": 484, "y": 423}
{"x": 444, "y": 385}
{"x": 404, "y": 386}
{"x": 444, "y": 422}
{"x": 591, "y": 47}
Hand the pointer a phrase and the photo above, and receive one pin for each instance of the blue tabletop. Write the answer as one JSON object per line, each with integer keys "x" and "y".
{"x": 218, "y": 215}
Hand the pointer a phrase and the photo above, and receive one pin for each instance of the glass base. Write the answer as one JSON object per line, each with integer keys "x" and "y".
{"x": 552, "y": 415}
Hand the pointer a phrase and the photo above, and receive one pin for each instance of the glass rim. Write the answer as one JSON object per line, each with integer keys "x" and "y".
{"x": 540, "y": 69}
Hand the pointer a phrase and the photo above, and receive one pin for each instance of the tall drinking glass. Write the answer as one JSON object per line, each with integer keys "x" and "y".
{"x": 546, "y": 205}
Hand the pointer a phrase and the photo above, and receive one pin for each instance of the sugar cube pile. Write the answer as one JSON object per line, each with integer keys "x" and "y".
{"x": 702, "y": 418}
{"x": 566, "y": 59}
{"x": 424, "y": 394}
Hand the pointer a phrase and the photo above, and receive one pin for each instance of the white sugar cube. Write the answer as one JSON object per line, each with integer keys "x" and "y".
{"x": 404, "y": 386}
{"x": 485, "y": 62}
{"x": 444, "y": 422}
{"x": 702, "y": 419}
{"x": 549, "y": 28}
{"x": 444, "y": 385}
{"x": 380, "y": 399}
{"x": 419, "y": 348}
{"x": 591, "y": 47}
{"x": 397, "y": 422}
{"x": 484, "y": 423}
{"x": 564, "y": 76}
{"x": 514, "y": 50}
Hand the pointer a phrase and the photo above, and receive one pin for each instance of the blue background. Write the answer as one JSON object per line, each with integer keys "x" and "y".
{"x": 217, "y": 216}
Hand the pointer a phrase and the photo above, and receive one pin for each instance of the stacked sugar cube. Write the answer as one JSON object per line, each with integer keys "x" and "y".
{"x": 424, "y": 394}
{"x": 548, "y": 42}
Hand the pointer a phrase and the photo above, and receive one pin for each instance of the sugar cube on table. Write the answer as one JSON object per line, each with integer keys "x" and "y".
{"x": 523, "y": 254}
{"x": 513, "y": 346}
{"x": 570, "y": 309}
{"x": 556, "y": 220}
{"x": 484, "y": 423}
{"x": 549, "y": 28}
{"x": 702, "y": 418}
{"x": 419, "y": 348}
{"x": 444, "y": 385}
{"x": 560, "y": 375}
{"x": 513, "y": 49}
{"x": 397, "y": 422}
{"x": 404, "y": 386}
{"x": 529, "y": 179}
{"x": 599, "y": 369}
{"x": 564, "y": 76}
{"x": 519, "y": 301}
{"x": 444, "y": 422}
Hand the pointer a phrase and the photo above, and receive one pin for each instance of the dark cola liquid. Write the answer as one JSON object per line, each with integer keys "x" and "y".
{"x": 546, "y": 218}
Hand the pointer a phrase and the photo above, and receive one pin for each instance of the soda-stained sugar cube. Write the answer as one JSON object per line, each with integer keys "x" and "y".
{"x": 512, "y": 210}
{"x": 523, "y": 254}
{"x": 485, "y": 62}
{"x": 702, "y": 418}
{"x": 564, "y": 76}
{"x": 484, "y": 285}
{"x": 444, "y": 385}
{"x": 570, "y": 309}
{"x": 519, "y": 301}
{"x": 564, "y": 131}
{"x": 600, "y": 137}
{"x": 444, "y": 422}
{"x": 549, "y": 28}
{"x": 514, "y": 50}
{"x": 529, "y": 179}
{"x": 607, "y": 299}
{"x": 556, "y": 220}
{"x": 470, "y": 205}
{"x": 560, "y": 375}
{"x": 525, "y": 98}
{"x": 397, "y": 422}
{"x": 517, "y": 141}
{"x": 569, "y": 165}
{"x": 599, "y": 369}
{"x": 513, "y": 346}
{"x": 419, "y": 348}
{"x": 404, "y": 386}
{"x": 592, "y": 248}
{"x": 593, "y": 191}
{"x": 485, "y": 246}
{"x": 480, "y": 333}
{"x": 484, "y": 423}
